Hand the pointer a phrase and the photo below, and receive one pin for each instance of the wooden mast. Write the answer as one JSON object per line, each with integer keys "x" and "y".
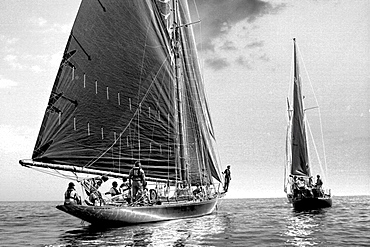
{"x": 178, "y": 83}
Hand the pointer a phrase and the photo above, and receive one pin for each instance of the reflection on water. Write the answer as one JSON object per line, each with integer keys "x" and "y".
{"x": 302, "y": 227}
{"x": 239, "y": 222}
{"x": 182, "y": 232}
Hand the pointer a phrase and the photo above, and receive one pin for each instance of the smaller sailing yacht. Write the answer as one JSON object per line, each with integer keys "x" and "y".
{"x": 301, "y": 192}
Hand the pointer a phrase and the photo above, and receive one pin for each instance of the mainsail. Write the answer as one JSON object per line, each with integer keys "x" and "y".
{"x": 299, "y": 152}
{"x": 117, "y": 95}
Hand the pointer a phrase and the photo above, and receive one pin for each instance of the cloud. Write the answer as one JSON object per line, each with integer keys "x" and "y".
{"x": 217, "y": 63}
{"x": 255, "y": 44}
{"x": 243, "y": 61}
{"x": 225, "y": 29}
{"x": 228, "y": 46}
{"x": 14, "y": 139}
{"x": 36, "y": 69}
{"x": 12, "y": 60}
{"x": 264, "y": 57}
{"x": 27, "y": 62}
{"x": 219, "y": 16}
{"x": 57, "y": 28}
{"x": 55, "y": 59}
{"x": 7, "y": 83}
{"x": 7, "y": 40}
{"x": 45, "y": 27}
{"x": 39, "y": 21}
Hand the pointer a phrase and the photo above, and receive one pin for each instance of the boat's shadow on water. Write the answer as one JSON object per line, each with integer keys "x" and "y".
{"x": 169, "y": 233}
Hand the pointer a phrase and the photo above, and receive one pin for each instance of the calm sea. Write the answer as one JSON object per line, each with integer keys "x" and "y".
{"x": 237, "y": 222}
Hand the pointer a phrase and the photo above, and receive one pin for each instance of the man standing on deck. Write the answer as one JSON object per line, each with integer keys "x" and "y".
{"x": 137, "y": 179}
{"x": 318, "y": 186}
{"x": 227, "y": 173}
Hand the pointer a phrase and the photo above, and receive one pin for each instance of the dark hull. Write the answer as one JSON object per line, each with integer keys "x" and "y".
{"x": 118, "y": 216}
{"x": 311, "y": 203}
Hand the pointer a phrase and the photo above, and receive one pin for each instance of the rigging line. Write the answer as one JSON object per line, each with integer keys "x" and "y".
{"x": 131, "y": 120}
{"x": 319, "y": 111}
{"x": 51, "y": 173}
{"x": 317, "y": 153}
{"x": 141, "y": 74}
{"x": 199, "y": 166}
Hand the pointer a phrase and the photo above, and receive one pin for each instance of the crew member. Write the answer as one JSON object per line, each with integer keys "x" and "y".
{"x": 91, "y": 186}
{"x": 137, "y": 179}
{"x": 318, "y": 186}
{"x": 227, "y": 173}
{"x": 113, "y": 191}
{"x": 71, "y": 196}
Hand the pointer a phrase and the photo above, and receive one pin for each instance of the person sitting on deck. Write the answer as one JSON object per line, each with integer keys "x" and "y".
{"x": 167, "y": 189}
{"x": 114, "y": 192}
{"x": 91, "y": 186}
{"x": 71, "y": 196}
{"x": 198, "y": 192}
{"x": 300, "y": 183}
{"x": 208, "y": 191}
{"x": 125, "y": 190}
{"x": 143, "y": 197}
{"x": 310, "y": 182}
{"x": 182, "y": 191}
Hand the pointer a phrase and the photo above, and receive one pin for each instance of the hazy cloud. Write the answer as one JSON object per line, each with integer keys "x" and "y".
{"x": 45, "y": 27}
{"x": 28, "y": 62}
{"x": 8, "y": 41}
{"x": 7, "y": 83}
{"x": 255, "y": 44}
{"x": 38, "y": 21}
{"x": 12, "y": 60}
{"x": 264, "y": 57}
{"x": 14, "y": 137}
{"x": 228, "y": 46}
{"x": 220, "y": 15}
{"x": 217, "y": 63}
{"x": 243, "y": 61}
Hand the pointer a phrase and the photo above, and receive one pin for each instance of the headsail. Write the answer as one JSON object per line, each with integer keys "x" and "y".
{"x": 113, "y": 100}
{"x": 199, "y": 130}
{"x": 299, "y": 155}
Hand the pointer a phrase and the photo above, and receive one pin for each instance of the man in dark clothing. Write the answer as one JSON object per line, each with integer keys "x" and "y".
{"x": 318, "y": 186}
{"x": 227, "y": 173}
{"x": 137, "y": 179}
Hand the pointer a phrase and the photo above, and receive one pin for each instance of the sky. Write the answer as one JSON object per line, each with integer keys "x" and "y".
{"x": 245, "y": 50}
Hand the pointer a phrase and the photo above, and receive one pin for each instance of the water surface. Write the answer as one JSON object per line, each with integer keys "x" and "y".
{"x": 237, "y": 222}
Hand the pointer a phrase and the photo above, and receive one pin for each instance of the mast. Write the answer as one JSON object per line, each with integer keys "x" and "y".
{"x": 178, "y": 92}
